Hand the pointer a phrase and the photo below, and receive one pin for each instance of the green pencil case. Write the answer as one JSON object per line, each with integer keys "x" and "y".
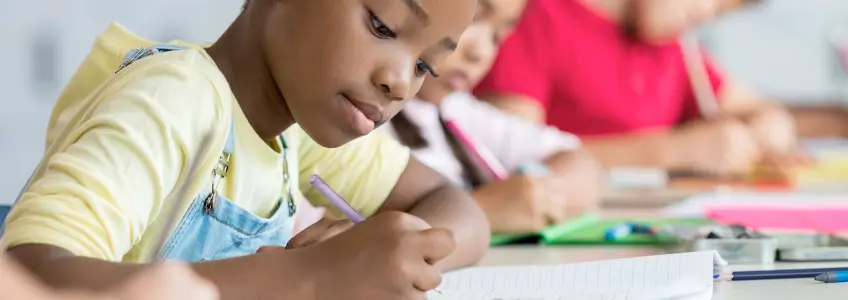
{"x": 589, "y": 229}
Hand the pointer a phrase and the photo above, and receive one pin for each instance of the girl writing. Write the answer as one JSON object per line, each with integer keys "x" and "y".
{"x": 292, "y": 88}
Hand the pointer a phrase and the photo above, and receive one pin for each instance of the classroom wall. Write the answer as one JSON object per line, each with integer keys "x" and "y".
{"x": 44, "y": 41}
{"x": 785, "y": 48}
{"x": 780, "y": 48}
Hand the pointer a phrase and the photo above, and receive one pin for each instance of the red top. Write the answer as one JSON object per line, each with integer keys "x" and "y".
{"x": 591, "y": 78}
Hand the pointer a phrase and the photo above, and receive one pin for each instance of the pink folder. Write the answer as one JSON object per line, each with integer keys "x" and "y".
{"x": 825, "y": 220}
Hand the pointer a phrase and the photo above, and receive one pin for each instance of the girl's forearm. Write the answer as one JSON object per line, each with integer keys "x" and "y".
{"x": 452, "y": 208}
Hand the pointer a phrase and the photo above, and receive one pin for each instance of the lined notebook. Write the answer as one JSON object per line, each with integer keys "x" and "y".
{"x": 686, "y": 276}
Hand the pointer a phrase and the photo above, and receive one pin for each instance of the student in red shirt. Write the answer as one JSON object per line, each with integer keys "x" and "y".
{"x": 614, "y": 72}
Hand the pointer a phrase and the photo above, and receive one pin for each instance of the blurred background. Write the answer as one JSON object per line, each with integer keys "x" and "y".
{"x": 784, "y": 48}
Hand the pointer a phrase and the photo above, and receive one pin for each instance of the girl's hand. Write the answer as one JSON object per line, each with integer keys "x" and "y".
{"x": 725, "y": 147}
{"x": 307, "y": 216}
{"x": 522, "y": 203}
{"x": 775, "y": 132}
{"x": 389, "y": 256}
{"x": 318, "y": 232}
{"x": 583, "y": 177}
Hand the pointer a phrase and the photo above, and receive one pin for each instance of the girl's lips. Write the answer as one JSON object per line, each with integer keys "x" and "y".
{"x": 358, "y": 120}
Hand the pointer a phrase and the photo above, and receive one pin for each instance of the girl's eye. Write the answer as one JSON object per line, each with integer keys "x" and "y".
{"x": 422, "y": 68}
{"x": 379, "y": 29}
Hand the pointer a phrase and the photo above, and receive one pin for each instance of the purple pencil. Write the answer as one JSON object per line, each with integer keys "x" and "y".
{"x": 335, "y": 199}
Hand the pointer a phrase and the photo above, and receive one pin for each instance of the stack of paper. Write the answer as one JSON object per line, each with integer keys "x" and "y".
{"x": 675, "y": 276}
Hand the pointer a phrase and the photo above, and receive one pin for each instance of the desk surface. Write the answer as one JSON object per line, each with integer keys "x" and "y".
{"x": 739, "y": 290}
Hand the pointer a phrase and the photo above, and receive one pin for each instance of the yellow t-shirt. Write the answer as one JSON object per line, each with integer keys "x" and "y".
{"x": 116, "y": 151}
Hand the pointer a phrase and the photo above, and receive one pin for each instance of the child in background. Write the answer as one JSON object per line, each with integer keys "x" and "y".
{"x": 265, "y": 107}
{"x": 171, "y": 281}
{"x": 617, "y": 76}
{"x": 522, "y": 202}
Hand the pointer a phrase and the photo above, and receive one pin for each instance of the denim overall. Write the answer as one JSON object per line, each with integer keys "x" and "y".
{"x": 214, "y": 227}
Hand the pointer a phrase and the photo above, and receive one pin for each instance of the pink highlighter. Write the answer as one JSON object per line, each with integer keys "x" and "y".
{"x": 489, "y": 161}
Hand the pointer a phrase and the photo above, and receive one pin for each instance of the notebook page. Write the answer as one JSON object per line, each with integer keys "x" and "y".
{"x": 705, "y": 294}
{"x": 673, "y": 274}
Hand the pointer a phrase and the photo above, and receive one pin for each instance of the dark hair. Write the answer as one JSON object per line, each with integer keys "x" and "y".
{"x": 409, "y": 135}
{"x": 628, "y": 23}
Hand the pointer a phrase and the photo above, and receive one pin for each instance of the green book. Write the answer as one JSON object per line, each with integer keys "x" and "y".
{"x": 589, "y": 229}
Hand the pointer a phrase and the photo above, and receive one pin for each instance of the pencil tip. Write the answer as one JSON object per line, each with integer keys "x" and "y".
{"x": 823, "y": 277}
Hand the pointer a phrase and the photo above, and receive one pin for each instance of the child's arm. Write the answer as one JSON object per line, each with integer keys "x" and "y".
{"x": 640, "y": 149}
{"x": 826, "y": 121}
{"x": 771, "y": 124}
{"x": 164, "y": 282}
{"x": 95, "y": 197}
{"x": 377, "y": 174}
{"x": 424, "y": 193}
{"x": 17, "y": 284}
{"x": 521, "y": 106}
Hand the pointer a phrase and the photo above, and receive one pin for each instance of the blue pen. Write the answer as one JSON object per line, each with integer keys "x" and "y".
{"x": 833, "y": 277}
{"x": 618, "y": 231}
{"x": 777, "y": 274}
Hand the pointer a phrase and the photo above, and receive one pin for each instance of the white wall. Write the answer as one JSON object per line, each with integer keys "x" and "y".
{"x": 785, "y": 47}
{"x": 70, "y": 27}
{"x": 780, "y": 48}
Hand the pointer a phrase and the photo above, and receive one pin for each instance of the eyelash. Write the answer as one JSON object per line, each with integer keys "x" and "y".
{"x": 422, "y": 68}
{"x": 381, "y": 31}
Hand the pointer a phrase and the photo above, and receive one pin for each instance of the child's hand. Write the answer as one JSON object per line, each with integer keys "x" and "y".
{"x": 523, "y": 203}
{"x": 389, "y": 256}
{"x": 320, "y": 231}
{"x": 721, "y": 147}
{"x": 583, "y": 177}
{"x": 307, "y": 215}
{"x": 775, "y": 132}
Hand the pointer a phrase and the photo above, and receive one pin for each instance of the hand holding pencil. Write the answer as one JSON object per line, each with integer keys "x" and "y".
{"x": 389, "y": 256}
{"x": 399, "y": 253}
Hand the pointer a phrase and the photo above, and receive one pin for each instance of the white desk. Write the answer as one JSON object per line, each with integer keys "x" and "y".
{"x": 801, "y": 289}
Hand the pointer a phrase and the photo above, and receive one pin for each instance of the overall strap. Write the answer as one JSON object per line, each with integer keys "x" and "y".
{"x": 136, "y": 54}
{"x": 230, "y": 146}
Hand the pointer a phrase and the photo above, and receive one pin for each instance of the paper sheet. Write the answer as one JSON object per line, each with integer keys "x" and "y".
{"x": 673, "y": 276}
